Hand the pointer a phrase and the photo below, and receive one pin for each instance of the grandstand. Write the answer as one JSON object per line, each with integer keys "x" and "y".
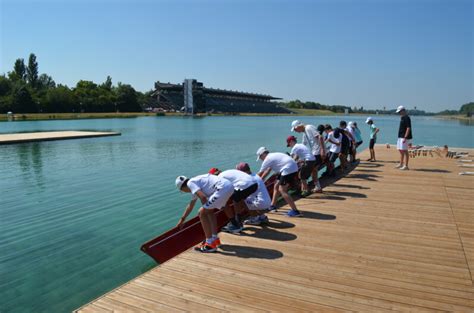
{"x": 192, "y": 97}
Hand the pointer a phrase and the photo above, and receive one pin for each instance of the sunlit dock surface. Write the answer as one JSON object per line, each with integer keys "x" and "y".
{"x": 379, "y": 239}
{"x": 48, "y": 136}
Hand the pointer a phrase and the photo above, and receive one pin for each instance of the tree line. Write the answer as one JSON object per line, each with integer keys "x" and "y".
{"x": 24, "y": 90}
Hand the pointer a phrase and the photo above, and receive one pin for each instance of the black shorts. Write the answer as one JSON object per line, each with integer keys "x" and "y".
{"x": 333, "y": 157}
{"x": 306, "y": 169}
{"x": 286, "y": 179}
{"x": 358, "y": 143}
{"x": 240, "y": 195}
{"x": 345, "y": 149}
{"x": 372, "y": 143}
{"x": 319, "y": 160}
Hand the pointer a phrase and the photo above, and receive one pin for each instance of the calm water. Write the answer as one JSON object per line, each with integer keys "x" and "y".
{"x": 74, "y": 213}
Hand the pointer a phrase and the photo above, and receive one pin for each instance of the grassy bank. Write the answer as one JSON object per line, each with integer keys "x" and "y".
{"x": 459, "y": 117}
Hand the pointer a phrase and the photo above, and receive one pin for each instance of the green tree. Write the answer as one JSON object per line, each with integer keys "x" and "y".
{"x": 5, "y": 86}
{"x": 60, "y": 99}
{"x": 107, "y": 85}
{"x": 127, "y": 100}
{"x": 87, "y": 94}
{"x": 32, "y": 71}
{"x": 21, "y": 99}
{"x": 46, "y": 82}
{"x": 467, "y": 109}
{"x": 19, "y": 69}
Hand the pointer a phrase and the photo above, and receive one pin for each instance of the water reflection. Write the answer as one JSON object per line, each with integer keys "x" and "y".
{"x": 31, "y": 162}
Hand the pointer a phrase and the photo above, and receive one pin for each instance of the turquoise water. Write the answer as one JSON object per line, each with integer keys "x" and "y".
{"x": 74, "y": 213}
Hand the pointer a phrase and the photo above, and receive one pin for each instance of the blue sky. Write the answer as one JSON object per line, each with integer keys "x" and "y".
{"x": 371, "y": 53}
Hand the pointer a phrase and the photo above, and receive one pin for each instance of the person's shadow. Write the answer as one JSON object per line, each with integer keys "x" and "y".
{"x": 318, "y": 216}
{"x": 267, "y": 233}
{"x": 249, "y": 252}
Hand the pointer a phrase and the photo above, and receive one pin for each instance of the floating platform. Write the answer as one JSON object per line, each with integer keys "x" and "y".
{"x": 379, "y": 239}
{"x": 48, "y": 136}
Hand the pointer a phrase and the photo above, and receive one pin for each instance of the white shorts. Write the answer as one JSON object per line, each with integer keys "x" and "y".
{"x": 223, "y": 191}
{"x": 403, "y": 145}
{"x": 258, "y": 202}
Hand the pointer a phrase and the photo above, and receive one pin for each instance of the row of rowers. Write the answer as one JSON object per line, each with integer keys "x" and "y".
{"x": 248, "y": 191}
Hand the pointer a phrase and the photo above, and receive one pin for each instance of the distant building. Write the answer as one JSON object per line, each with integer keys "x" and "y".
{"x": 192, "y": 97}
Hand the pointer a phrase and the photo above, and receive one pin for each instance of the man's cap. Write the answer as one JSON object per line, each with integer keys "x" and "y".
{"x": 295, "y": 124}
{"x": 400, "y": 108}
{"x": 242, "y": 166}
{"x": 369, "y": 119}
{"x": 214, "y": 171}
{"x": 180, "y": 181}
{"x": 261, "y": 151}
{"x": 350, "y": 124}
{"x": 290, "y": 138}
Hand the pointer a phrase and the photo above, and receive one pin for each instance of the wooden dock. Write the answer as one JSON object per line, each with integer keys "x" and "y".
{"x": 379, "y": 239}
{"x": 48, "y": 136}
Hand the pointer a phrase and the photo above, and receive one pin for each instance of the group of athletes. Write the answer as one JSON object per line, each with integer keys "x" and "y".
{"x": 321, "y": 146}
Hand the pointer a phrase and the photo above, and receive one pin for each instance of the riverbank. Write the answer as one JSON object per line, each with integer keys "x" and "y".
{"x": 73, "y": 116}
{"x": 459, "y": 117}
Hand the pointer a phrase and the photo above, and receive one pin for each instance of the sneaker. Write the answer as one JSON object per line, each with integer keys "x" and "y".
{"x": 398, "y": 166}
{"x": 232, "y": 229}
{"x": 253, "y": 221}
{"x": 294, "y": 213}
{"x": 317, "y": 190}
{"x": 263, "y": 218}
{"x": 272, "y": 209}
{"x": 305, "y": 194}
{"x": 206, "y": 248}
{"x": 404, "y": 168}
{"x": 217, "y": 242}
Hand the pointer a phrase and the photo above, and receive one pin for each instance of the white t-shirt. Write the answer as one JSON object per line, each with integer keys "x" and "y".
{"x": 239, "y": 179}
{"x": 260, "y": 199}
{"x": 302, "y": 152}
{"x": 206, "y": 183}
{"x": 335, "y": 148}
{"x": 350, "y": 130}
{"x": 279, "y": 163}
{"x": 311, "y": 139}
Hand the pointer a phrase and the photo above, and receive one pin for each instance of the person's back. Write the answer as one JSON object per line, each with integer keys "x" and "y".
{"x": 311, "y": 139}
{"x": 302, "y": 152}
{"x": 239, "y": 179}
{"x": 334, "y": 138}
{"x": 358, "y": 135}
{"x": 205, "y": 183}
{"x": 280, "y": 163}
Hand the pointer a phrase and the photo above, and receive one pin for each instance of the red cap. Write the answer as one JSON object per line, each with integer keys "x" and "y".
{"x": 214, "y": 171}
{"x": 242, "y": 166}
{"x": 290, "y": 138}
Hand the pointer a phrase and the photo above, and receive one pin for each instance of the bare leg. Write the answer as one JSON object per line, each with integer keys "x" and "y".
{"x": 401, "y": 157}
{"x": 206, "y": 225}
{"x": 276, "y": 193}
{"x": 287, "y": 197}
{"x": 304, "y": 185}
{"x": 212, "y": 221}
{"x": 405, "y": 153}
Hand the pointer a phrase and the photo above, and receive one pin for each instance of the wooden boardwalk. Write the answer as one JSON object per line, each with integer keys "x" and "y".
{"x": 379, "y": 239}
{"x": 48, "y": 136}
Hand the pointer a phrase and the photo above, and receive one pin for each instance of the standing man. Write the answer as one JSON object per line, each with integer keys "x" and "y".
{"x": 287, "y": 171}
{"x": 404, "y": 137}
{"x": 315, "y": 142}
{"x": 373, "y": 138}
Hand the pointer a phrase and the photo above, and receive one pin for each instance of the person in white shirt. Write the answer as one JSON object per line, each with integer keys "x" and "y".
{"x": 259, "y": 201}
{"x": 244, "y": 186}
{"x": 287, "y": 171}
{"x": 306, "y": 161}
{"x": 315, "y": 142}
{"x": 214, "y": 192}
{"x": 335, "y": 147}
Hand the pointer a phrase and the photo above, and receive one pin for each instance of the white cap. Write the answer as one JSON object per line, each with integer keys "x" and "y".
{"x": 368, "y": 120}
{"x": 261, "y": 151}
{"x": 350, "y": 124}
{"x": 295, "y": 124}
{"x": 179, "y": 181}
{"x": 400, "y": 108}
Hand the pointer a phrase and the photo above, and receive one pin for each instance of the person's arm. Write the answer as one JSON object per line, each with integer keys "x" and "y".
{"x": 406, "y": 134}
{"x": 376, "y": 131}
{"x": 264, "y": 173}
{"x": 323, "y": 147}
{"x": 187, "y": 211}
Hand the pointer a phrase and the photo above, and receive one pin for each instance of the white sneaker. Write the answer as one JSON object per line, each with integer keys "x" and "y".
{"x": 398, "y": 166}
{"x": 404, "y": 168}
